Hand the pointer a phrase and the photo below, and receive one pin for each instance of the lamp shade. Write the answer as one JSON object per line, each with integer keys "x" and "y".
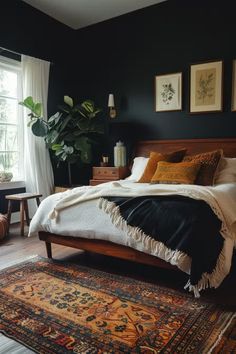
{"x": 111, "y": 102}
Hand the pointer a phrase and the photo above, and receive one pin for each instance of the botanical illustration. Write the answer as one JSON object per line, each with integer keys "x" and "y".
{"x": 205, "y": 87}
{"x": 167, "y": 93}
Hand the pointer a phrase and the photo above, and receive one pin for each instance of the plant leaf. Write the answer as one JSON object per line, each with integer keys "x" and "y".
{"x": 52, "y": 137}
{"x": 68, "y": 149}
{"x": 88, "y": 105}
{"x": 28, "y": 103}
{"x": 82, "y": 145}
{"x": 39, "y": 128}
{"x": 59, "y": 152}
{"x": 37, "y": 109}
{"x": 68, "y": 100}
{"x": 65, "y": 122}
{"x": 55, "y": 118}
{"x": 56, "y": 147}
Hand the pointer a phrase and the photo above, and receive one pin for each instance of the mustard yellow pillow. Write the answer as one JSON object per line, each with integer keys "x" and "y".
{"x": 176, "y": 173}
{"x": 154, "y": 158}
{"x": 209, "y": 162}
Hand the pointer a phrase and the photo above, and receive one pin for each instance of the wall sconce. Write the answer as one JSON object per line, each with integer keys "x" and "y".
{"x": 111, "y": 105}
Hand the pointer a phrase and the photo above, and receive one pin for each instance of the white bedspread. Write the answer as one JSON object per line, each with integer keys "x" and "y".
{"x": 77, "y": 213}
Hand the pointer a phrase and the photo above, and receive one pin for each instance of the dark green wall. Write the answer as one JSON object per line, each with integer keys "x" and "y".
{"x": 123, "y": 55}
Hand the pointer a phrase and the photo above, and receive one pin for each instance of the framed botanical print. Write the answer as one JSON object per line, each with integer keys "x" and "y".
{"x": 206, "y": 87}
{"x": 233, "y": 105}
{"x": 168, "y": 92}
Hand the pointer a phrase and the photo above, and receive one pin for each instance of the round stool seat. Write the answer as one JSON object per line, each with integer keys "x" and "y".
{"x": 3, "y": 226}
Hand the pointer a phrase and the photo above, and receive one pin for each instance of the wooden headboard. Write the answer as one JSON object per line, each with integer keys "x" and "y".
{"x": 193, "y": 146}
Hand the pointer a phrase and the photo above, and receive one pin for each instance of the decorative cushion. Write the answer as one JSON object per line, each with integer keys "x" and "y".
{"x": 226, "y": 171}
{"x": 138, "y": 167}
{"x": 154, "y": 158}
{"x": 3, "y": 226}
{"x": 209, "y": 162}
{"x": 176, "y": 173}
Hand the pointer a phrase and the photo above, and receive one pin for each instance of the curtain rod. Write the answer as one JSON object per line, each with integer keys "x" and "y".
{"x": 2, "y": 49}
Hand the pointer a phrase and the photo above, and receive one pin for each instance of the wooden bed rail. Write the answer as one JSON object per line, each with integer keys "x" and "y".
{"x": 102, "y": 247}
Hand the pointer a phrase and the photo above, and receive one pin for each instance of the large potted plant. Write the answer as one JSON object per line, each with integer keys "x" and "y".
{"x": 71, "y": 133}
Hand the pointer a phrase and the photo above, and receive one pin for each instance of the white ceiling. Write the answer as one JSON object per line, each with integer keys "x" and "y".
{"x": 82, "y": 13}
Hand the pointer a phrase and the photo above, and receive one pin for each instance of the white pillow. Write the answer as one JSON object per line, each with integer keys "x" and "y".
{"x": 139, "y": 165}
{"x": 227, "y": 171}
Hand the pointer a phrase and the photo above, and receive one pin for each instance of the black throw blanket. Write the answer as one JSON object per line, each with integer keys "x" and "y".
{"x": 180, "y": 223}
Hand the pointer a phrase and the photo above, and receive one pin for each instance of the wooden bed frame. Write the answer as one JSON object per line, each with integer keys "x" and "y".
{"x": 143, "y": 148}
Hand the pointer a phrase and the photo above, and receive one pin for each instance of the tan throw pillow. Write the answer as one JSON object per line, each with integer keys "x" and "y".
{"x": 209, "y": 162}
{"x": 176, "y": 173}
{"x": 154, "y": 158}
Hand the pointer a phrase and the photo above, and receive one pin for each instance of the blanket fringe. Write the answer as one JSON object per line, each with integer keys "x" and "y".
{"x": 157, "y": 248}
{"x": 150, "y": 245}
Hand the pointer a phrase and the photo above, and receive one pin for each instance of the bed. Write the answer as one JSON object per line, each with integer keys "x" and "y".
{"x": 118, "y": 247}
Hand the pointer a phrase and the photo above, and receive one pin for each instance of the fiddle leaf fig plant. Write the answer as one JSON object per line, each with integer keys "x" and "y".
{"x": 71, "y": 132}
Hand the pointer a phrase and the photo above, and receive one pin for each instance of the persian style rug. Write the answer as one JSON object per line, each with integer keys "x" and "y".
{"x": 53, "y": 307}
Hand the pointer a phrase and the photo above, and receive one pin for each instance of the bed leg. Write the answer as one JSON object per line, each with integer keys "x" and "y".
{"x": 49, "y": 249}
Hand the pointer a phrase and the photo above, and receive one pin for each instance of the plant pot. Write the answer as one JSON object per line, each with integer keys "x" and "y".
{"x": 5, "y": 176}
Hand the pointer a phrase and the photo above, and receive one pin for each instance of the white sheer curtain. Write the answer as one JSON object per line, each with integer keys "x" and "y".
{"x": 38, "y": 169}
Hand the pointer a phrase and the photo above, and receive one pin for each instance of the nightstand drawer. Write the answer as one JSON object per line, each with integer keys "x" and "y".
{"x": 110, "y": 173}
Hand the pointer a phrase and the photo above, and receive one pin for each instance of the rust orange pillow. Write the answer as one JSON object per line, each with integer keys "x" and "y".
{"x": 176, "y": 173}
{"x": 154, "y": 158}
{"x": 209, "y": 162}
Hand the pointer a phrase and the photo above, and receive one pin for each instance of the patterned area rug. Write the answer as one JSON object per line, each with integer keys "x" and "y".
{"x": 53, "y": 307}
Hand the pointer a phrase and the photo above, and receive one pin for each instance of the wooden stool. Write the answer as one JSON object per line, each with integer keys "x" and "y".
{"x": 22, "y": 198}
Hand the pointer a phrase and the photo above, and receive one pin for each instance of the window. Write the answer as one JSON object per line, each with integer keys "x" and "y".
{"x": 11, "y": 127}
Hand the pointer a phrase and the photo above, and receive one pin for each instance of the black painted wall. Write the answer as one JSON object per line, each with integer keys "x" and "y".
{"x": 124, "y": 54}
{"x": 28, "y": 31}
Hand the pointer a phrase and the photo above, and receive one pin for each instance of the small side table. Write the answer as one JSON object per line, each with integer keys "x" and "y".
{"x": 108, "y": 174}
{"x": 23, "y": 199}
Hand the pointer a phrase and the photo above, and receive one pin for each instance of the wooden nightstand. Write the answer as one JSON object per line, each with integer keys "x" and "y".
{"x": 108, "y": 174}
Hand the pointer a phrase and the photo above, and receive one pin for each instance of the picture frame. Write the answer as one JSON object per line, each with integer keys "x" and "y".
{"x": 233, "y": 100}
{"x": 206, "y": 87}
{"x": 168, "y": 92}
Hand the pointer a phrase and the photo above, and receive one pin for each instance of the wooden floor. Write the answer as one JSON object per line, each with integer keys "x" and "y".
{"x": 15, "y": 248}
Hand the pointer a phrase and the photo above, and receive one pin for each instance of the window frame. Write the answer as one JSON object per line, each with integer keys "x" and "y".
{"x": 15, "y": 67}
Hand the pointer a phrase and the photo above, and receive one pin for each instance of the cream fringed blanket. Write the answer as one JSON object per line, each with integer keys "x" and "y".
{"x": 221, "y": 199}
